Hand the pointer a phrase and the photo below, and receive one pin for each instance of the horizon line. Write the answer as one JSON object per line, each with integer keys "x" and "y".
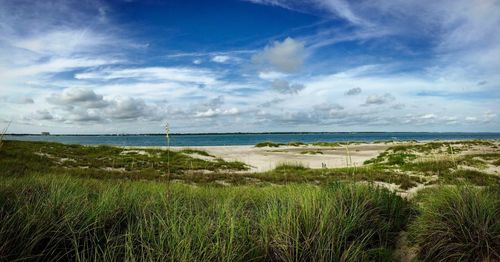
{"x": 244, "y": 133}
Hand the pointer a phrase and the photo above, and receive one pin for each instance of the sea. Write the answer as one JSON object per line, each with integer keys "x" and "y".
{"x": 249, "y": 138}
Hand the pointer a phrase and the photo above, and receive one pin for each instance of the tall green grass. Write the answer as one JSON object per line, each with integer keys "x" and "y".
{"x": 67, "y": 218}
{"x": 458, "y": 224}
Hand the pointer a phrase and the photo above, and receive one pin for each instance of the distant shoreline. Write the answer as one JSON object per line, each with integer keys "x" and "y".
{"x": 253, "y": 133}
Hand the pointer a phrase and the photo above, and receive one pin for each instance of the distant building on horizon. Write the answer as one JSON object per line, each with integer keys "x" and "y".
{"x": 45, "y": 133}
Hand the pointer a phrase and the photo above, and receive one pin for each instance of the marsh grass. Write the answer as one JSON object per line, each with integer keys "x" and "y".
{"x": 68, "y": 218}
{"x": 458, "y": 224}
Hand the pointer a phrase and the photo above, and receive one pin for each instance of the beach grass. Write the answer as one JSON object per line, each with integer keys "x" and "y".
{"x": 106, "y": 162}
{"x": 441, "y": 159}
{"x": 72, "y": 202}
{"x": 68, "y": 218}
{"x": 458, "y": 224}
{"x": 195, "y": 151}
{"x": 268, "y": 144}
{"x": 296, "y": 143}
{"x": 22, "y": 157}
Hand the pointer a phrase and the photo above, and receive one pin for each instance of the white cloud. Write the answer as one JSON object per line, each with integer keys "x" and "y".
{"x": 471, "y": 119}
{"x": 217, "y": 112}
{"x": 127, "y": 108}
{"x": 221, "y": 58}
{"x": 343, "y": 9}
{"x": 178, "y": 74}
{"x": 271, "y": 75}
{"x": 78, "y": 96}
{"x": 74, "y": 105}
{"x": 489, "y": 116}
{"x": 287, "y": 56}
{"x": 428, "y": 116}
{"x": 62, "y": 42}
{"x": 54, "y": 65}
{"x": 450, "y": 120}
{"x": 40, "y": 52}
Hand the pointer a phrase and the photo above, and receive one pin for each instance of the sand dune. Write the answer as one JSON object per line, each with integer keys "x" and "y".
{"x": 266, "y": 158}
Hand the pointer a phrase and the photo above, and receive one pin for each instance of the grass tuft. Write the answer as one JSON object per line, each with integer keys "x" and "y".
{"x": 196, "y": 151}
{"x": 327, "y": 144}
{"x": 296, "y": 143}
{"x": 458, "y": 224}
{"x": 311, "y": 152}
{"x": 268, "y": 144}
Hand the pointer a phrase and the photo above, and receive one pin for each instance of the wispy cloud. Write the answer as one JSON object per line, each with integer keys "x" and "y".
{"x": 177, "y": 74}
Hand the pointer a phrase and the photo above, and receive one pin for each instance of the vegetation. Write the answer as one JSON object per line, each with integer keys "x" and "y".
{"x": 2, "y": 135}
{"x": 71, "y": 218}
{"x": 20, "y": 158}
{"x": 311, "y": 152}
{"x": 268, "y": 144}
{"x": 195, "y": 151}
{"x": 458, "y": 224}
{"x": 327, "y": 144}
{"x": 72, "y": 202}
{"x": 296, "y": 143}
{"x": 441, "y": 159}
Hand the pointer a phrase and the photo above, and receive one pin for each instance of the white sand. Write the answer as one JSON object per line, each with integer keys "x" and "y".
{"x": 267, "y": 158}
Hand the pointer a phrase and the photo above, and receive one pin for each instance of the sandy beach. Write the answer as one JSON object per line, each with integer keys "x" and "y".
{"x": 261, "y": 159}
{"x": 267, "y": 158}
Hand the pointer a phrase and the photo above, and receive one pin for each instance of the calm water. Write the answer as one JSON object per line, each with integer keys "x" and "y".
{"x": 249, "y": 139}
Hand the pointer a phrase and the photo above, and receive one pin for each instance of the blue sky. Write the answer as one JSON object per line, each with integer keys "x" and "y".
{"x": 249, "y": 66}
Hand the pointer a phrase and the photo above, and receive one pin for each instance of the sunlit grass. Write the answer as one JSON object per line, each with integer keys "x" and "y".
{"x": 458, "y": 224}
{"x": 86, "y": 219}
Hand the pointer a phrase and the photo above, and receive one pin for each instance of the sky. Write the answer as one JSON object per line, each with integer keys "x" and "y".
{"x": 131, "y": 66}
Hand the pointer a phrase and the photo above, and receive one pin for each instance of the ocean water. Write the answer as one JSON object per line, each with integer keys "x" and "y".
{"x": 247, "y": 139}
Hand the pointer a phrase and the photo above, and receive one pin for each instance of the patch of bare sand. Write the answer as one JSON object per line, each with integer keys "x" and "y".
{"x": 262, "y": 159}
